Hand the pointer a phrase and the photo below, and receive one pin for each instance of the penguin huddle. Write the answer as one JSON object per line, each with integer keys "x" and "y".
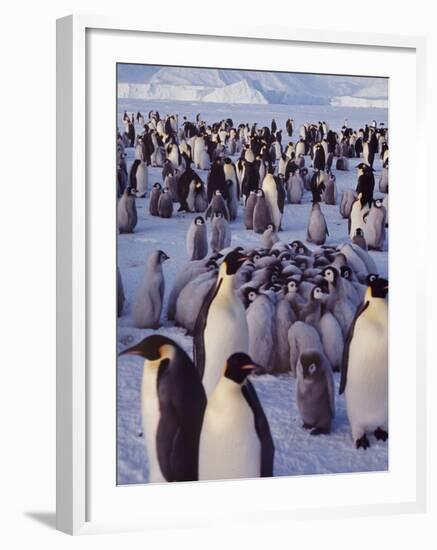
{"x": 279, "y": 307}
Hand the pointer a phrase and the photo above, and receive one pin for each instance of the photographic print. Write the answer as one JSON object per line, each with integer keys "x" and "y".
{"x": 252, "y": 274}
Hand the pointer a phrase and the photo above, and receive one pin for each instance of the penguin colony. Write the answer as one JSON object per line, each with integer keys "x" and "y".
{"x": 316, "y": 310}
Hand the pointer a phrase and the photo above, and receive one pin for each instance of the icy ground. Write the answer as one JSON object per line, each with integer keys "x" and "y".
{"x": 296, "y": 451}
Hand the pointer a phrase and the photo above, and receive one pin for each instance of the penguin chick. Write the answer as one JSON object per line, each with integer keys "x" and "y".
{"x": 196, "y": 241}
{"x": 147, "y": 307}
{"x": 165, "y": 205}
{"x": 317, "y": 228}
{"x": 248, "y": 210}
{"x": 315, "y": 392}
{"x": 359, "y": 239}
{"x": 260, "y": 317}
{"x": 269, "y": 237}
{"x": 220, "y": 232}
{"x": 127, "y": 212}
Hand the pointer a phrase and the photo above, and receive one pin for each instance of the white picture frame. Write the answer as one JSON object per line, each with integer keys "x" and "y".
{"x": 75, "y": 216}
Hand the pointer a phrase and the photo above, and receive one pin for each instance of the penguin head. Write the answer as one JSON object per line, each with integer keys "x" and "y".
{"x": 377, "y": 203}
{"x": 234, "y": 260}
{"x": 378, "y": 287}
{"x": 154, "y": 349}
{"x": 162, "y": 256}
{"x": 198, "y": 220}
{"x": 250, "y": 295}
{"x": 319, "y": 292}
{"x": 218, "y": 214}
{"x": 271, "y": 227}
{"x": 330, "y": 274}
{"x": 346, "y": 272}
{"x": 310, "y": 364}
{"x": 227, "y": 160}
{"x": 218, "y": 193}
{"x": 359, "y": 232}
{"x": 260, "y": 193}
{"x": 292, "y": 286}
{"x": 238, "y": 367}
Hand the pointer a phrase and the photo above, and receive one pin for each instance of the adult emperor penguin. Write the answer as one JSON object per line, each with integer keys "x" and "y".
{"x": 273, "y": 199}
{"x": 172, "y": 407}
{"x": 315, "y": 392}
{"x": 235, "y": 440}
{"x": 197, "y": 241}
{"x": 127, "y": 212}
{"x": 147, "y": 307}
{"x": 221, "y": 327}
{"x": 364, "y": 376}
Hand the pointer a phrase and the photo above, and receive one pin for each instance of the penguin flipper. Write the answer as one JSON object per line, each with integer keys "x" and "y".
{"x": 345, "y": 361}
{"x": 262, "y": 429}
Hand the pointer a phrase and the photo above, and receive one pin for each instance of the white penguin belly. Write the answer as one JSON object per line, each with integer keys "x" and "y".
{"x": 367, "y": 377}
{"x": 150, "y": 413}
{"x": 225, "y": 333}
{"x": 229, "y": 445}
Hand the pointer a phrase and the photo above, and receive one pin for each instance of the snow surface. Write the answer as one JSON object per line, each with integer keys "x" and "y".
{"x": 239, "y": 86}
{"x": 296, "y": 451}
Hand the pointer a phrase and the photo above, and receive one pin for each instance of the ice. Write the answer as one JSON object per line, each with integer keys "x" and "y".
{"x": 297, "y": 452}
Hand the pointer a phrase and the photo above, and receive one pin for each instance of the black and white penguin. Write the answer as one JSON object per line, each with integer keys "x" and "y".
{"x": 173, "y": 403}
{"x": 149, "y": 298}
{"x": 365, "y": 183}
{"x": 261, "y": 213}
{"x": 319, "y": 159}
{"x": 364, "y": 376}
{"x": 250, "y": 180}
{"x": 221, "y": 328}
{"x": 315, "y": 392}
{"x": 127, "y": 212}
{"x": 165, "y": 205}
{"x": 216, "y": 180}
{"x": 197, "y": 241}
{"x": 184, "y": 181}
{"x": 235, "y": 441}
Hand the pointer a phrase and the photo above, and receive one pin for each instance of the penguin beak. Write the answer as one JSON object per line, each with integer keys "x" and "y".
{"x": 250, "y": 367}
{"x": 138, "y": 349}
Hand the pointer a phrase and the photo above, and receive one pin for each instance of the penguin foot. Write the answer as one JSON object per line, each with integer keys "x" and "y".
{"x": 381, "y": 434}
{"x": 306, "y": 426}
{"x": 362, "y": 443}
{"x": 319, "y": 431}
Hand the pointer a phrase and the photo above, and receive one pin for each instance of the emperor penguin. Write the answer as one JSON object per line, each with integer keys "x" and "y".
{"x": 302, "y": 336}
{"x": 127, "y": 212}
{"x": 284, "y": 318}
{"x": 220, "y": 232}
{"x": 260, "y": 317}
{"x": 171, "y": 183}
{"x": 154, "y": 199}
{"x": 165, "y": 205}
{"x": 269, "y": 237}
{"x": 221, "y": 327}
{"x": 364, "y": 375}
{"x": 374, "y": 228}
{"x": 317, "y": 228}
{"x": 330, "y": 195}
{"x": 295, "y": 188}
{"x": 235, "y": 441}
{"x": 261, "y": 213}
{"x": 348, "y": 197}
{"x": 197, "y": 241}
{"x": 359, "y": 239}
{"x": 190, "y": 299}
{"x": 270, "y": 188}
{"x": 173, "y": 403}
{"x": 138, "y": 178}
{"x": 249, "y": 207}
{"x": 315, "y": 392}
{"x": 217, "y": 204}
{"x": 383, "y": 180}
{"x": 359, "y": 211}
{"x": 147, "y": 307}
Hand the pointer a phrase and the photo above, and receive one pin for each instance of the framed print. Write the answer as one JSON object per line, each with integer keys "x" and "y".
{"x": 234, "y": 336}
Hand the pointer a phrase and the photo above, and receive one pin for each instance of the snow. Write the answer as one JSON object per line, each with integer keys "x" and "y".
{"x": 238, "y": 86}
{"x": 296, "y": 451}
